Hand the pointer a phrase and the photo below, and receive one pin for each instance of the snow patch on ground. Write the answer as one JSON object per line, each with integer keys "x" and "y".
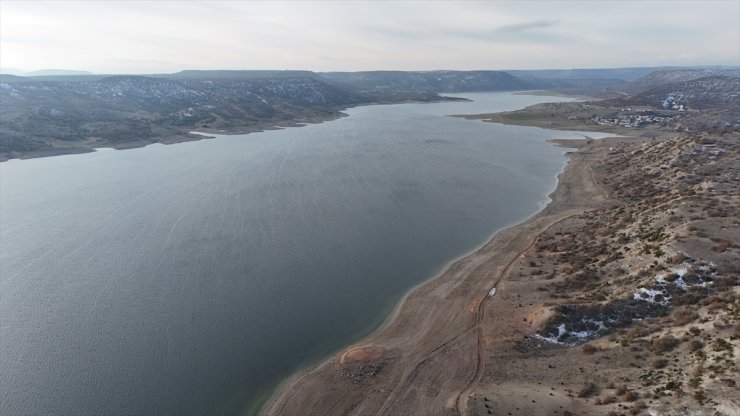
{"x": 657, "y": 296}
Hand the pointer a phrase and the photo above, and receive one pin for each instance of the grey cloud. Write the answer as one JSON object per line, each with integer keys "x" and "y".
{"x": 524, "y": 27}
{"x": 528, "y": 32}
{"x": 329, "y": 35}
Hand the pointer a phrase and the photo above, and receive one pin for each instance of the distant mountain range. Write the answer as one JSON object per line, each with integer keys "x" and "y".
{"x": 68, "y": 111}
{"x": 623, "y": 74}
{"x": 389, "y": 83}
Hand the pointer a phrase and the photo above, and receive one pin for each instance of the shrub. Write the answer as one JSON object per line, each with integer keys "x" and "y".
{"x": 609, "y": 400}
{"x": 589, "y": 349}
{"x": 695, "y": 345}
{"x": 673, "y": 385}
{"x": 638, "y": 407}
{"x": 683, "y": 315}
{"x": 638, "y": 331}
{"x": 660, "y": 363}
{"x": 663, "y": 344}
{"x": 629, "y": 396}
{"x": 677, "y": 258}
{"x": 722, "y": 345}
{"x": 589, "y": 389}
{"x": 700, "y": 396}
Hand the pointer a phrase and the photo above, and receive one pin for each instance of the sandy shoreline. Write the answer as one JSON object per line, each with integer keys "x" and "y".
{"x": 430, "y": 339}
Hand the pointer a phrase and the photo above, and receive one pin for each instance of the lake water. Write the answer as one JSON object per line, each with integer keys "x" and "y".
{"x": 192, "y": 278}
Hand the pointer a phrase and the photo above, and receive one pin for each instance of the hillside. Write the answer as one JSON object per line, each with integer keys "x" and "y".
{"x": 660, "y": 78}
{"x": 696, "y": 94}
{"x": 705, "y": 104}
{"x": 630, "y": 308}
{"x": 238, "y": 74}
{"x": 8, "y": 78}
{"x": 392, "y": 84}
{"x": 616, "y": 82}
{"x": 124, "y": 111}
{"x": 591, "y": 83}
{"x": 623, "y": 74}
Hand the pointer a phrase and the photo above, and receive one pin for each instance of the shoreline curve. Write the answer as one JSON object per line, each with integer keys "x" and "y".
{"x": 313, "y": 380}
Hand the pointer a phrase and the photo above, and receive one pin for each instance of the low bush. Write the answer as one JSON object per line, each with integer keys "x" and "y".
{"x": 589, "y": 389}
{"x": 683, "y": 315}
{"x": 661, "y": 363}
{"x": 589, "y": 349}
{"x": 695, "y": 345}
{"x": 663, "y": 344}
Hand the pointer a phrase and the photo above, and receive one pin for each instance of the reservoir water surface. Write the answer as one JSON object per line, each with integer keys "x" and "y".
{"x": 192, "y": 278}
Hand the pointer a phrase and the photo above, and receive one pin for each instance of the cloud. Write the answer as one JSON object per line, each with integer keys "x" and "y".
{"x": 135, "y": 36}
{"x": 532, "y": 32}
{"x": 525, "y": 27}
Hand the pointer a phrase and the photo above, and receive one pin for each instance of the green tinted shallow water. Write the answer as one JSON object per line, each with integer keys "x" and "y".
{"x": 191, "y": 279}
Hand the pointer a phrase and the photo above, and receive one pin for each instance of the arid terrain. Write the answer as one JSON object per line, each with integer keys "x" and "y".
{"x": 629, "y": 308}
{"x": 621, "y": 297}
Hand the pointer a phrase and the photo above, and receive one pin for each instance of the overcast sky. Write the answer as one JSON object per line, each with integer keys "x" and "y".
{"x": 166, "y": 36}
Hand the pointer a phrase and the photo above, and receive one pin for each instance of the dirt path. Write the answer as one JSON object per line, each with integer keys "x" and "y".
{"x": 601, "y": 196}
{"x": 461, "y": 402}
